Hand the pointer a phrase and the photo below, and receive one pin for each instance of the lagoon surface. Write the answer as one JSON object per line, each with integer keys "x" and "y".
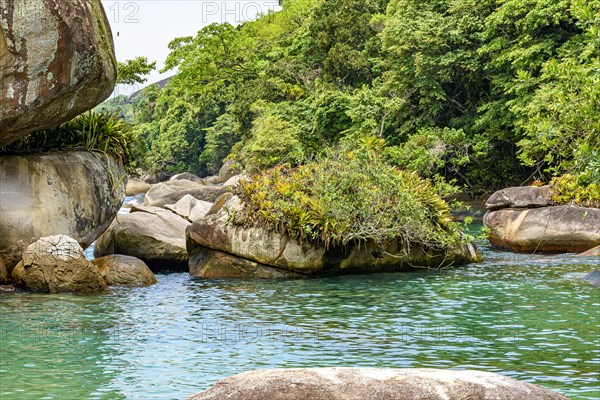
{"x": 528, "y": 317}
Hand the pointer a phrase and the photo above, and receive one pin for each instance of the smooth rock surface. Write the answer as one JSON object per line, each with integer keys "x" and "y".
{"x": 234, "y": 180}
{"x": 228, "y": 170}
{"x": 57, "y": 264}
{"x": 190, "y": 208}
{"x": 593, "y": 252}
{"x": 217, "y": 264}
{"x": 567, "y": 229}
{"x": 156, "y": 238}
{"x": 211, "y": 180}
{"x": 188, "y": 176}
{"x": 520, "y": 197}
{"x": 136, "y": 186}
{"x": 272, "y": 249}
{"x": 219, "y": 203}
{"x": 373, "y": 384}
{"x": 171, "y": 192}
{"x": 71, "y": 193}
{"x": 593, "y": 277}
{"x": 120, "y": 270}
{"x": 57, "y": 61}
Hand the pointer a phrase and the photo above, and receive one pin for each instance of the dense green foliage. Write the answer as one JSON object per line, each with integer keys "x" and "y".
{"x": 90, "y": 131}
{"x": 346, "y": 197}
{"x": 484, "y": 93}
{"x": 566, "y": 189}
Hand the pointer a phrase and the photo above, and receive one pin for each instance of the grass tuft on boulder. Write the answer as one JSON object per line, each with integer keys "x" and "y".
{"x": 348, "y": 196}
{"x": 90, "y": 131}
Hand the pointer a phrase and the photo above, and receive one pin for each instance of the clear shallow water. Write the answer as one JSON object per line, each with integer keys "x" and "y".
{"x": 529, "y": 317}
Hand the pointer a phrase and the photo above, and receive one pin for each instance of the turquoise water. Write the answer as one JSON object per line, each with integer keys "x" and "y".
{"x": 529, "y": 317}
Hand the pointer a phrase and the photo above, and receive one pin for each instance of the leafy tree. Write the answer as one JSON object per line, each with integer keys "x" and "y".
{"x": 133, "y": 71}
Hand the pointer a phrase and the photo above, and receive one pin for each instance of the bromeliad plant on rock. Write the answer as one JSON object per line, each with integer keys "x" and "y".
{"x": 349, "y": 196}
{"x": 91, "y": 131}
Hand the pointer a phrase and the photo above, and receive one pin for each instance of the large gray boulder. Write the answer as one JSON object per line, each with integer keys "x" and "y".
{"x": 57, "y": 264}
{"x": 73, "y": 193}
{"x": 228, "y": 171}
{"x": 212, "y": 235}
{"x": 548, "y": 229}
{"x": 373, "y": 384}
{"x": 57, "y": 61}
{"x": 520, "y": 197}
{"x": 120, "y": 270}
{"x": 170, "y": 192}
{"x": 155, "y": 236}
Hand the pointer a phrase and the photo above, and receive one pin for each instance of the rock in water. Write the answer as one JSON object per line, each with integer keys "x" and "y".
{"x": 157, "y": 237}
{"x": 548, "y": 229}
{"x": 210, "y": 238}
{"x": 121, "y": 270}
{"x": 57, "y": 264}
{"x": 73, "y": 193}
{"x": 593, "y": 277}
{"x": 57, "y": 61}
{"x": 373, "y": 384}
{"x": 593, "y": 252}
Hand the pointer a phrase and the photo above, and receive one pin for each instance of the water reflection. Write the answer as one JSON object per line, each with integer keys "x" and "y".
{"x": 530, "y": 318}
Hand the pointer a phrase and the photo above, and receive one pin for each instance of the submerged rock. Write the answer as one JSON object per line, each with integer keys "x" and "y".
{"x": 57, "y": 61}
{"x": 57, "y": 264}
{"x": 593, "y": 277}
{"x": 73, "y": 193}
{"x": 157, "y": 237}
{"x": 547, "y": 229}
{"x": 171, "y": 192}
{"x": 120, "y": 270}
{"x": 209, "y": 237}
{"x": 373, "y": 384}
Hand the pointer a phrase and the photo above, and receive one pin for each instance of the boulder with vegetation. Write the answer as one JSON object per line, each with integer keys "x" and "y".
{"x": 120, "y": 270}
{"x": 560, "y": 218}
{"x": 373, "y": 384}
{"x": 351, "y": 213}
{"x": 57, "y": 264}
{"x": 152, "y": 234}
{"x": 57, "y": 61}
{"x": 75, "y": 193}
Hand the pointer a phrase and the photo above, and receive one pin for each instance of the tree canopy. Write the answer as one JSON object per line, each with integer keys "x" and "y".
{"x": 483, "y": 94}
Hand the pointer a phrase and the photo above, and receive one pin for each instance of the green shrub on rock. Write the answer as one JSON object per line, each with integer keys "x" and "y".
{"x": 349, "y": 196}
{"x": 567, "y": 189}
{"x": 90, "y": 131}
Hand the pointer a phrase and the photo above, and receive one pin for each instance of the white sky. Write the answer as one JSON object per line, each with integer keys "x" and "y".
{"x": 145, "y": 27}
